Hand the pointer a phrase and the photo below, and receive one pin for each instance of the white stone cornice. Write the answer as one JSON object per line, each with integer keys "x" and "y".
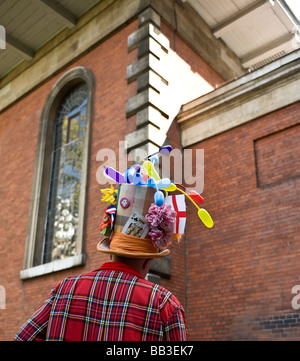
{"x": 265, "y": 90}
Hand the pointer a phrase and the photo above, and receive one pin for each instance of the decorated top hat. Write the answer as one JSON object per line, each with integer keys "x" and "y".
{"x": 145, "y": 214}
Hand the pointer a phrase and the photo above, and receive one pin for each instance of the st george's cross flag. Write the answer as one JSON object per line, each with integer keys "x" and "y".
{"x": 177, "y": 202}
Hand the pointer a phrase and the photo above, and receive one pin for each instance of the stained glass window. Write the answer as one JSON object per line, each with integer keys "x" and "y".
{"x": 66, "y": 170}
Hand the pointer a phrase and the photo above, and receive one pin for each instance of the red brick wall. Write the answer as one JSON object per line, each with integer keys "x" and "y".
{"x": 19, "y": 127}
{"x": 241, "y": 272}
{"x": 177, "y": 283}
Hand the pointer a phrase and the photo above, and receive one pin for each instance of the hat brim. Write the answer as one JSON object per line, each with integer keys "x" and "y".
{"x": 103, "y": 246}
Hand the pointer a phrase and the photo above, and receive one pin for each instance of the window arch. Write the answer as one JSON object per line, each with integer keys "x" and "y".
{"x": 65, "y": 177}
{"x": 57, "y": 214}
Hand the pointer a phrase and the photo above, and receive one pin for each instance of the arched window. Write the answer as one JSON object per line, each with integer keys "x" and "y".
{"x": 64, "y": 191}
{"x": 56, "y": 223}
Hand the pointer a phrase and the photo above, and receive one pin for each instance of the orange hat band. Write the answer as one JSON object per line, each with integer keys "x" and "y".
{"x": 122, "y": 242}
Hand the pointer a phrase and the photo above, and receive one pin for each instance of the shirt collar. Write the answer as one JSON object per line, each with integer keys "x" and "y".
{"x": 118, "y": 266}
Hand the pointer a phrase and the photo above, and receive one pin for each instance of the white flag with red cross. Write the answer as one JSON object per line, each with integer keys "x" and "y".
{"x": 177, "y": 202}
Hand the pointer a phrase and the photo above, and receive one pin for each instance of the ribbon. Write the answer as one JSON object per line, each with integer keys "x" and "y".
{"x": 111, "y": 210}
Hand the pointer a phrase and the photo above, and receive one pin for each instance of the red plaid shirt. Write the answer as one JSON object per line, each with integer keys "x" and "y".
{"x": 112, "y": 303}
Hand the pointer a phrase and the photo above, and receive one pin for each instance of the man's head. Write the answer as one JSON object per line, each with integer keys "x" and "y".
{"x": 142, "y": 265}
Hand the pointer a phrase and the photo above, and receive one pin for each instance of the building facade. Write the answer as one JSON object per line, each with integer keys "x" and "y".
{"x": 137, "y": 75}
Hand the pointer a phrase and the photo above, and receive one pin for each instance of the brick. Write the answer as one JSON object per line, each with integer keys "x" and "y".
{"x": 247, "y": 252}
{"x": 235, "y": 280}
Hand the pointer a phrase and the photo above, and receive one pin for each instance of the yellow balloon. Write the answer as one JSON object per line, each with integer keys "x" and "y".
{"x": 149, "y": 168}
{"x": 205, "y": 218}
{"x": 172, "y": 187}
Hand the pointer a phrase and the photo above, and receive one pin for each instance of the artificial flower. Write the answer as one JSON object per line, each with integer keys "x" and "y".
{"x": 109, "y": 195}
{"x": 105, "y": 226}
{"x": 161, "y": 223}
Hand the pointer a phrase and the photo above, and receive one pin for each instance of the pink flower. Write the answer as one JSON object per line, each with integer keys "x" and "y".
{"x": 161, "y": 222}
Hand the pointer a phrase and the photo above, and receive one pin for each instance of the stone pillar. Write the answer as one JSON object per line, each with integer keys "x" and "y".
{"x": 151, "y": 74}
{"x": 152, "y": 116}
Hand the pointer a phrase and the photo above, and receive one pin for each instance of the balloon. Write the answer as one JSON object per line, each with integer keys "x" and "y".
{"x": 160, "y": 184}
{"x": 196, "y": 197}
{"x": 154, "y": 159}
{"x": 172, "y": 187}
{"x": 159, "y": 198}
{"x": 145, "y": 177}
{"x": 166, "y": 149}
{"x": 130, "y": 175}
{"x": 193, "y": 195}
{"x": 205, "y": 218}
{"x": 138, "y": 180}
{"x": 149, "y": 168}
{"x": 151, "y": 182}
{"x": 113, "y": 174}
{"x": 163, "y": 183}
{"x": 137, "y": 168}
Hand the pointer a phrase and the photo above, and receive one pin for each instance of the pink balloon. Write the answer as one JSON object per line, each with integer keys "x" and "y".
{"x": 145, "y": 177}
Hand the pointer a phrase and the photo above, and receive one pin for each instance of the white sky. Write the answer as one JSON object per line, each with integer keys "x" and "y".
{"x": 294, "y": 5}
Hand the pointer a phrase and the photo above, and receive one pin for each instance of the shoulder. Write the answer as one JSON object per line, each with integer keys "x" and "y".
{"x": 167, "y": 301}
{"x": 68, "y": 284}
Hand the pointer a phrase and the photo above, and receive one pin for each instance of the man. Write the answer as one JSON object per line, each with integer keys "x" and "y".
{"x": 113, "y": 303}
{"x": 116, "y": 302}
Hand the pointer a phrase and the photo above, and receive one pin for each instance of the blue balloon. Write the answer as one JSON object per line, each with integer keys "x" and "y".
{"x": 138, "y": 180}
{"x": 159, "y": 184}
{"x": 159, "y": 198}
{"x": 154, "y": 159}
{"x": 137, "y": 168}
{"x": 151, "y": 182}
{"x": 165, "y": 149}
{"x": 129, "y": 175}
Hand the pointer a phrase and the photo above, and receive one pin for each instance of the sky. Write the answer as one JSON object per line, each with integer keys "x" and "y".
{"x": 294, "y": 5}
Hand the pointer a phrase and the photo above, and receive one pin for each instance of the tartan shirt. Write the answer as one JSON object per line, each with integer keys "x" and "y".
{"x": 112, "y": 303}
